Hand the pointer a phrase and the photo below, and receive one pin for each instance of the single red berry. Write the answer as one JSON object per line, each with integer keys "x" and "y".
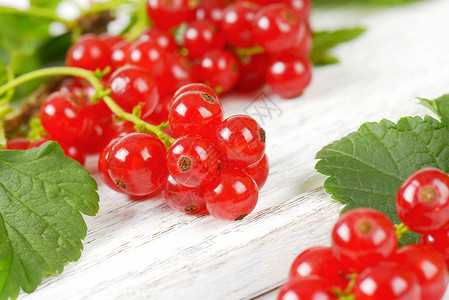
{"x": 184, "y": 199}
{"x": 219, "y": 69}
{"x": 148, "y": 55}
{"x": 237, "y": 24}
{"x": 321, "y": 262}
{"x": 241, "y": 140}
{"x": 310, "y": 288}
{"x": 428, "y": 265}
{"x": 252, "y": 72}
{"x": 195, "y": 113}
{"x": 200, "y": 37}
{"x": 131, "y": 86}
{"x": 303, "y": 46}
{"x": 180, "y": 71}
{"x": 209, "y": 10}
{"x": 422, "y": 201}
{"x": 137, "y": 163}
{"x": 73, "y": 86}
{"x": 166, "y": 14}
{"x": 259, "y": 171}
{"x": 276, "y": 28}
{"x": 74, "y": 150}
{"x": 98, "y": 137}
{"x": 195, "y": 87}
{"x": 162, "y": 38}
{"x": 17, "y": 144}
{"x": 160, "y": 113}
{"x": 361, "y": 238}
{"x": 103, "y": 169}
{"x": 88, "y": 53}
{"x": 119, "y": 54}
{"x": 232, "y": 196}
{"x": 387, "y": 280}
{"x": 288, "y": 75}
{"x": 192, "y": 161}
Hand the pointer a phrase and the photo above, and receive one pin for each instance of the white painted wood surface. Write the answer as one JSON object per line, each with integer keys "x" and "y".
{"x": 144, "y": 250}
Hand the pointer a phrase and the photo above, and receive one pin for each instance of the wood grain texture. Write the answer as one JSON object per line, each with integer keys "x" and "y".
{"x": 143, "y": 249}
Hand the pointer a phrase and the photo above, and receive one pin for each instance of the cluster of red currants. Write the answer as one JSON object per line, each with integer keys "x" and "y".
{"x": 364, "y": 261}
{"x": 214, "y": 166}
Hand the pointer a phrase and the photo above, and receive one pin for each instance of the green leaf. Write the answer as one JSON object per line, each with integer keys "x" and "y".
{"x": 323, "y": 41}
{"x": 367, "y": 167}
{"x": 439, "y": 106}
{"x": 42, "y": 196}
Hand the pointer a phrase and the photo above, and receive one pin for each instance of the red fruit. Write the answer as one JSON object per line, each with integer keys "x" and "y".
{"x": 98, "y": 137}
{"x": 361, "y": 238}
{"x": 236, "y": 25}
{"x": 310, "y": 288}
{"x": 232, "y": 196}
{"x": 166, "y": 14}
{"x": 195, "y": 113}
{"x": 73, "y": 86}
{"x": 288, "y": 75}
{"x": 131, "y": 86}
{"x": 387, "y": 281}
{"x": 219, "y": 69}
{"x": 103, "y": 166}
{"x": 301, "y": 8}
{"x": 184, "y": 199}
{"x": 160, "y": 113}
{"x": 422, "y": 201}
{"x": 137, "y": 163}
{"x": 259, "y": 171}
{"x": 74, "y": 151}
{"x": 428, "y": 265}
{"x": 119, "y": 54}
{"x": 200, "y": 37}
{"x": 162, "y": 38}
{"x": 181, "y": 71}
{"x": 241, "y": 140}
{"x": 192, "y": 161}
{"x": 148, "y": 55}
{"x": 209, "y": 10}
{"x": 252, "y": 72}
{"x": 321, "y": 262}
{"x": 88, "y": 53}
{"x": 438, "y": 240}
{"x": 109, "y": 41}
{"x": 17, "y": 144}
{"x": 195, "y": 87}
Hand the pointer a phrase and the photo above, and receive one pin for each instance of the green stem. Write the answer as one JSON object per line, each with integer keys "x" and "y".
{"x": 100, "y": 93}
{"x": 38, "y": 12}
{"x": 401, "y": 229}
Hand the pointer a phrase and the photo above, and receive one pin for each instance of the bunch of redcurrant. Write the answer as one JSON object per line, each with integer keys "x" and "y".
{"x": 364, "y": 261}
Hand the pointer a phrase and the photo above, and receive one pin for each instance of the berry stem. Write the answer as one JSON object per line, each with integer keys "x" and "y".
{"x": 100, "y": 93}
{"x": 401, "y": 229}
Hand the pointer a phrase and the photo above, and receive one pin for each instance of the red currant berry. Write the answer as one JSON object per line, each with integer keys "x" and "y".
{"x": 148, "y": 55}
{"x": 17, "y": 144}
{"x": 387, "y": 281}
{"x": 219, "y": 69}
{"x": 288, "y": 75}
{"x": 137, "y": 163}
{"x": 363, "y": 237}
{"x": 73, "y": 86}
{"x": 301, "y": 8}
{"x": 241, "y": 140}
{"x": 195, "y": 113}
{"x": 98, "y": 137}
{"x": 103, "y": 166}
{"x": 119, "y": 54}
{"x": 422, "y": 202}
{"x": 74, "y": 150}
{"x": 65, "y": 117}
{"x": 259, "y": 171}
{"x": 166, "y": 14}
{"x": 200, "y": 37}
{"x": 321, "y": 262}
{"x": 438, "y": 240}
{"x": 236, "y": 26}
{"x": 162, "y": 38}
{"x": 252, "y": 72}
{"x": 428, "y": 265}
{"x": 232, "y": 196}
{"x": 160, "y": 113}
{"x": 276, "y": 28}
{"x": 183, "y": 199}
{"x": 192, "y": 161}
{"x": 109, "y": 41}
{"x": 131, "y": 86}
{"x": 310, "y": 288}
{"x": 209, "y": 10}
{"x": 88, "y": 53}
{"x": 181, "y": 71}
{"x": 195, "y": 87}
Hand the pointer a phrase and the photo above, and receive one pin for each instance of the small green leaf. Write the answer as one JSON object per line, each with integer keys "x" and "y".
{"x": 439, "y": 106}
{"x": 42, "y": 196}
{"x": 323, "y": 41}
{"x": 367, "y": 167}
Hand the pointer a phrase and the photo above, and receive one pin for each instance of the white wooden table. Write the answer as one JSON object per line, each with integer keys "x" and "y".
{"x": 144, "y": 250}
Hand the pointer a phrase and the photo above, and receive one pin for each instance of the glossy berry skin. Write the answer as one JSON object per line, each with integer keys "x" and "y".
{"x": 236, "y": 25}
{"x": 422, "y": 201}
{"x": 310, "y": 288}
{"x": 137, "y": 163}
{"x": 259, "y": 171}
{"x": 109, "y": 41}
{"x": 253, "y": 69}
{"x": 361, "y": 238}
{"x": 162, "y": 38}
{"x": 219, "y": 69}
{"x": 148, "y": 55}
{"x": 98, "y": 137}
{"x": 195, "y": 113}
{"x": 119, "y": 54}
{"x": 288, "y": 75}
{"x": 387, "y": 280}
{"x": 73, "y": 86}
{"x": 428, "y": 265}
{"x": 17, "y": 144}
{"x": 276, "y": 28}
{"x": 438, "y": 240}
{"x": 166, "y": 14}
{"x": 241, "y": 140}
{"x": 65, "y": 117}
{"x": 160, "y": 113}
{"x": 209, "y": 10}
{"x": 195, "y": 87}
{"x": 318, "y": 261}
{"x": 88, "y": 53}
{"x": 180, "y": 71}
{"x": 200, "y": 37}
{"x": 130, "y": 86}
{"x": 184, "y": 199}
{"x": 103, "y": 166}
{"x": 192, "y": 161}
{"x": 232, "y": 196}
